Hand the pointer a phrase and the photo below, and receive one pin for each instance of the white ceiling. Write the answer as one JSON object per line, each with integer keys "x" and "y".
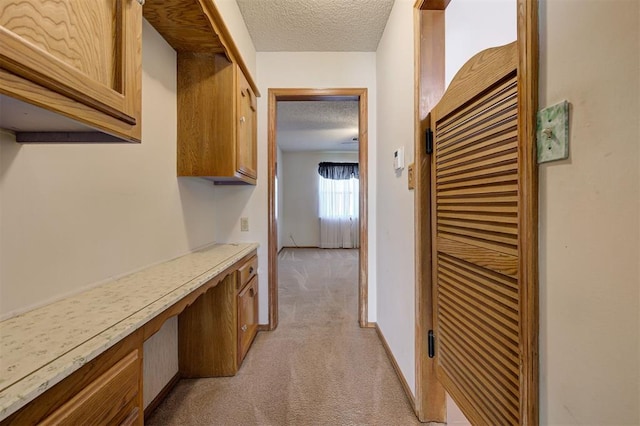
{"x": 315, "y": 25}
{"x": 317, "y": 125}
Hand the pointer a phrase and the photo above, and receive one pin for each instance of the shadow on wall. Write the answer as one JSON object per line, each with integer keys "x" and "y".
{"x": 198, "y": 210}
{"x": 154, "y": 65}
{"x": 9, "y": 150}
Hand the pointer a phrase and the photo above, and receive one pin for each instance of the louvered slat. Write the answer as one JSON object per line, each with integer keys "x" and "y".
{"x": 476, "y": 252}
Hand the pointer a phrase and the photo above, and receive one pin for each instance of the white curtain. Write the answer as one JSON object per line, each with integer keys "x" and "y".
{"x": 339, "y": 207}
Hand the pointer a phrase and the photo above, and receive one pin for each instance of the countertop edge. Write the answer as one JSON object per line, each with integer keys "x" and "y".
{"x": 87, "y": 351}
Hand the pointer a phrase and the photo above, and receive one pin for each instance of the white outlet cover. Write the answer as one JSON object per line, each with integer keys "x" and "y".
{"x": 552, "y": 133}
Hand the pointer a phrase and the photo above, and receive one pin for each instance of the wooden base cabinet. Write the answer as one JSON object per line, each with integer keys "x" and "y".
{"x": 216, "y": 120}
{"x": 216, "y": 331}
{"x": 80, "y": 59}
{"x": 247, "y": 317}
{"x": 105, "y": 391}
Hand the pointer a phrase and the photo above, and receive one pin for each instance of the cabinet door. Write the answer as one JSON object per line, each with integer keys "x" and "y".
{"x": 246, "y": 157}
{"x": 110, "y": 399}
{"x": 86, "y": 50}
{"x": 247, "y": 317}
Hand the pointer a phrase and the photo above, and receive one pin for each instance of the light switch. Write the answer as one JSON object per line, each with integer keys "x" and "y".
{"x": 398, "y": 159}
{"x": 552, "y": 133}
{"x": 244, "y": 224}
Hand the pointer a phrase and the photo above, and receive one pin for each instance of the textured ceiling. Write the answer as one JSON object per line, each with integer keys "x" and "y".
{"x": 317, "y": 125}
{"x": 315, "y": 25}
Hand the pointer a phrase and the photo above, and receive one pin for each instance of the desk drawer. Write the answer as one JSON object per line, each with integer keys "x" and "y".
{"x": 247, "y": 271}
{"x": 110, "y": 399}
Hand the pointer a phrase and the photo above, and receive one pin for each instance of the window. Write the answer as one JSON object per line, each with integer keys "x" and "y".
{"x": 338, "y": 198}
{"x": 338, "y": 202}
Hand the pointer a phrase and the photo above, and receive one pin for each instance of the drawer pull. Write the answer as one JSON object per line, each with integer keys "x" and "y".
{"x": 252, "y": 292}
{"x": 244, "y": 327}
{"x": 242, "y": 119}
{"x": 251, "y": 270}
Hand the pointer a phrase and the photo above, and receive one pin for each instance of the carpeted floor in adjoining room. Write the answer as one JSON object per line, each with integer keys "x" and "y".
{"x": 317, "y": 368}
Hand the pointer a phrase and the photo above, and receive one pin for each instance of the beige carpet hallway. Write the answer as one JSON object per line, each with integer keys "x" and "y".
{"x": 317, "y": 368}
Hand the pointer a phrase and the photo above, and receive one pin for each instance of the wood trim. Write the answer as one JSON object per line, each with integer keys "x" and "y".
{"x": 301, "y": 94}
{"x": 272, "y": 245}
{"x": 432, "y": 4}
{"x": 230, "y": 46}
{"x": 263, "y": 327}
{"x": 396, "y": 368}
{"x": 528, "y": 105}
{"x": 363, "y": 287}
{"x": 153, "y": 405}
{"x": 430, "y": 399}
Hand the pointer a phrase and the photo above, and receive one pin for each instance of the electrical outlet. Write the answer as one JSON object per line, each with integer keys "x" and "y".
{"x": 244, "y": 224}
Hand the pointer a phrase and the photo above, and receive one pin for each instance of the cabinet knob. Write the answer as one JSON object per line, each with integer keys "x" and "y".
{"x": 141, "y": 2}
{"x": 251, "y": 270}
{"x": 242, "y": 119}
{"x": 244, "y": 327}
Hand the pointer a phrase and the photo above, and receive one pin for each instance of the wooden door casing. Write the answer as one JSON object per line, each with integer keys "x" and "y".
{"x": 481, "y": 312}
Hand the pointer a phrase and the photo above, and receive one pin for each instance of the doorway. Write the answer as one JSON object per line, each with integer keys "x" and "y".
{"x": 276, "y": 95}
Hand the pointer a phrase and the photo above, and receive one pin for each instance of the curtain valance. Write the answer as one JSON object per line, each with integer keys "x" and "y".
{"x": 338, "y": 171}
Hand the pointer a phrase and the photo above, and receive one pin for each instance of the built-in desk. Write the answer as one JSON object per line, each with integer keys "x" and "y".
{"x": 93, "y": 341}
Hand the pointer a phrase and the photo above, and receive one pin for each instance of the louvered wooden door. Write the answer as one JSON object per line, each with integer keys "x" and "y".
{"x": 476, "y": 202}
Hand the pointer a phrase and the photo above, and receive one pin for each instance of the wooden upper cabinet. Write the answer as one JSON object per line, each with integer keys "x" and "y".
{"x": 216, "y": 93}
{"x": 78, "y": 58}
{"x": 246, "y": 158}
{"x": 216, "y": 120}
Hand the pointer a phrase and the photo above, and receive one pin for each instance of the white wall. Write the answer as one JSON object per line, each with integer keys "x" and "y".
{"x": 395, "y": 225}
{"x": 77, "y": 215}
{"x": 472, "y": 26}
{"x": 301, "y": 189}
{"x": 302, "y": 70}
{"x": 589, "y": 209}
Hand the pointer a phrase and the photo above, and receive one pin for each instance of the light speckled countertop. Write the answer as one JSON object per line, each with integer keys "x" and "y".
{"x": 41, "y": 347}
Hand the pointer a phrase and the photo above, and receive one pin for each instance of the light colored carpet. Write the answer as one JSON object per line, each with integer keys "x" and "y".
{"x": 317, "y": 368}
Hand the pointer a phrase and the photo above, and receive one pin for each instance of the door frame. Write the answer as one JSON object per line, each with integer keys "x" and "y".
{"x": 299, "y": 94}
{"x": 429, "y": 45}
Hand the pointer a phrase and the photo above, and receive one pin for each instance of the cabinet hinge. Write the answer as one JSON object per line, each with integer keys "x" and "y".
{"x": 429, "y": 141}
{"x": 432, "y": 344}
